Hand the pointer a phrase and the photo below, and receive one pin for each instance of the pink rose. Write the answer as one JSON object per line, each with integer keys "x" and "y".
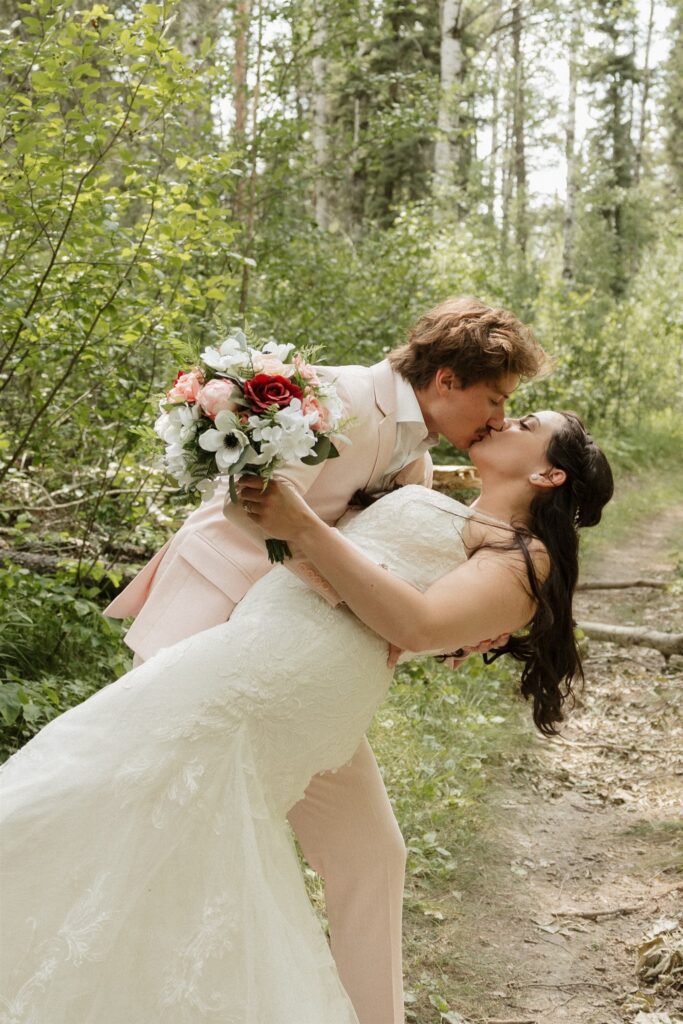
{"x": 311, "y": 404}
{"x": 263, "y": 362}
{"x": 306, "y": 371}
{"x": 186, "y": 386}
{"x": 216, "y": 396}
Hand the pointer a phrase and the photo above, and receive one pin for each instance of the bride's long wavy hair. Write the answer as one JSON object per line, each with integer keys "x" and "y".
{"x": 548, "y": 649}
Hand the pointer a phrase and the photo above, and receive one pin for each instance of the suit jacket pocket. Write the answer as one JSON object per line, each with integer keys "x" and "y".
{"x": 214, "y": 565}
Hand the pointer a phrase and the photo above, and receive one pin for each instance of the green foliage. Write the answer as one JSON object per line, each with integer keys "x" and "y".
{"x": 649, "y": 482}
{"x": 56, "y": 648}
{"x": 119, "y": 240}
{"x": 440, "y": 739}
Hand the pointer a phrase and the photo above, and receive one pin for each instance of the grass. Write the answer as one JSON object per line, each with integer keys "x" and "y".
{"x": 441, "y": 740}
{"x": 444, "y": 740}
{"x": 648, "y": 474}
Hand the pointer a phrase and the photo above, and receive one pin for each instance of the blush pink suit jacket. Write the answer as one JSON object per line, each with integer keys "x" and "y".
{"x": 200, "y": 574}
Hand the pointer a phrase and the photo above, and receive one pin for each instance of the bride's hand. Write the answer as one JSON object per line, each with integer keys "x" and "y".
{"x": 278, "y": 509}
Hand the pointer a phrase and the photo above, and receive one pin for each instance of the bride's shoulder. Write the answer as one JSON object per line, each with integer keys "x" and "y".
{"x": 489, "y": 539}
{"x": 420, "y": 492}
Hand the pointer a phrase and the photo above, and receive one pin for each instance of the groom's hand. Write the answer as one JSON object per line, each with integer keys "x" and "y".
{"x": 455, "y": 658}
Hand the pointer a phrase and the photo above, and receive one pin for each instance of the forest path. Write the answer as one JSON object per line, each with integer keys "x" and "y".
{"x": 583, "y": 862}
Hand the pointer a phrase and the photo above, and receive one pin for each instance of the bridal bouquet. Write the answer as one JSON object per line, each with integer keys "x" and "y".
{"x": 247, "y": 410}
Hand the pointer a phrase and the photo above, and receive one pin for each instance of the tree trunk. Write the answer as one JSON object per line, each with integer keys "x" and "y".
{"x": 446, "y": 152}
{"x": 242, "y": 25}
{"x": 495, "y": 141}
{"x": 320, "y": 199}
{"x": 506, "y": 187}
{"x": 634, "y": 636}
{"x": 251, "y": 204}
{"x": 644, "y": 96}
{"x": 518, "y": 119}
{"x": 570, "y": 154}
{"x": 620, "y": 584}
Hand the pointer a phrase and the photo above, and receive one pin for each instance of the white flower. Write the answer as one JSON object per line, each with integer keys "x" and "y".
{"x": 280, "y": 352}
{"x": 179, "y": 424}
{"x": 206, "y": 488}
{"x": 175, "y": 460}
{"x": 287, "y": 436}
{"x": 230, "y": 354}
{"x": 328, "y": 397}
{"x": 293, "y": 419}
{"x": 227, "y": 440}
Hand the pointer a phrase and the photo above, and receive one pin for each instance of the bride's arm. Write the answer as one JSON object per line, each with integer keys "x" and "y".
{"x": 485, "y": 596}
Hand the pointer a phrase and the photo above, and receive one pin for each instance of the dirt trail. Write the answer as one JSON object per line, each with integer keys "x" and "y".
{"x": 585, "y": 862}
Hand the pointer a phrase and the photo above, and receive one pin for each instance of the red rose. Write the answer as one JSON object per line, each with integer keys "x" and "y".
{"x": 265, "y": 390}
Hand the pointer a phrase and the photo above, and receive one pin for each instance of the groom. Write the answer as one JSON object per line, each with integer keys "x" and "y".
{"x": 453, "y": 376}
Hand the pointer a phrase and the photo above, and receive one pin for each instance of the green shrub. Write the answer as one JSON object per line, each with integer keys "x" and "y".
{"x": 56, "y": 649}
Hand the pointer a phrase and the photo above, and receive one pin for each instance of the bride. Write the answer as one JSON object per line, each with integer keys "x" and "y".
{"x": 148, "y": 875}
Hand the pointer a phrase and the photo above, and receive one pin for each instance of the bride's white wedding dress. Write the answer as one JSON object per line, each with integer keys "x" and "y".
{"x": 148, "y": 874}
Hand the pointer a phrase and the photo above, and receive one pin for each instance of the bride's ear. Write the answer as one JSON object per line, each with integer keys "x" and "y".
{"x": 553, "y": 477}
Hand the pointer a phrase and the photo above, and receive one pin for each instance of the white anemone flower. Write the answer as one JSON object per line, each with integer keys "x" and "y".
{"x": 280, "y": 352}
{"x": 230, "y": 354}
{"x": 226, "y": 439}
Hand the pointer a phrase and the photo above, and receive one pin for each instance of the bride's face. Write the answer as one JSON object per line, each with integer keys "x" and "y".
{"x": 519, "y": 449}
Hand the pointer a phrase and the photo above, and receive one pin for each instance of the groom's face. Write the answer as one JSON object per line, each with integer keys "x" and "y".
{"x": 465, "y": 415}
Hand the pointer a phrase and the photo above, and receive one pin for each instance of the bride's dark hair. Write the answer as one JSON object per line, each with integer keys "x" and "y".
{"x": 548, "y": 648}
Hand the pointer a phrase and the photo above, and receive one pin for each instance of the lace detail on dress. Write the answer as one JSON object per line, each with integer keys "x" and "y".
{"x": 75, "y": 944}
{"x": 213, "y": 938}
{"x": 151, "y": 876}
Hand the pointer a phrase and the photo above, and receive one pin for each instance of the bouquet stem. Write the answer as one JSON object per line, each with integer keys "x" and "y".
{"x": 277, "y": 550}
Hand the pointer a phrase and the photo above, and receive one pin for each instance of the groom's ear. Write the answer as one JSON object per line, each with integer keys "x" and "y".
{"x": 445, "y": 380}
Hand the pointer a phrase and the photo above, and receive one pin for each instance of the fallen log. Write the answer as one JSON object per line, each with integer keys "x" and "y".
{"x": 456, "y": 478}
{"x": 48, "y": 564}
{"x": 620, "y": 584}
{"x": 634, "y": 636}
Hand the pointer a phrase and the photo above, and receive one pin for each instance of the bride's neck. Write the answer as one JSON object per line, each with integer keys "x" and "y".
{"x": 504, "y": 500}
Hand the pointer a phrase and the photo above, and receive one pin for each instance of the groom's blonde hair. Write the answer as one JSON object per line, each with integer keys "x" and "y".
{"x": 477, "y": 342}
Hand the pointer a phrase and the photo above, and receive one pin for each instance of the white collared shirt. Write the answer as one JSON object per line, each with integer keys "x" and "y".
{"x": 412, "y": 437}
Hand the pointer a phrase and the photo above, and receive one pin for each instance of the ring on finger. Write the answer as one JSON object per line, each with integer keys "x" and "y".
{"x": 247, "y": 507}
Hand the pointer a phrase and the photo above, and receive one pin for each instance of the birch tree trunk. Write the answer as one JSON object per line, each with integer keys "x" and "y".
{"x": 645, "y": 95}
{"x": 356, "y": 171}
{"x": 446, "y": 152}
{"x": 242, "y": 25}
{"x": 506, "y": 186}
{"x": 518, "y": 119}
{"x": 253, "y": 162}
{"x": 570, "y": 153}
{"x": 495, "y": 141}
{"x": 320, "y": 147}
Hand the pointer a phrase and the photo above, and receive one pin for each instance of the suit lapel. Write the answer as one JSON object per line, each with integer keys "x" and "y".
{"x": 385, "y": 399}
